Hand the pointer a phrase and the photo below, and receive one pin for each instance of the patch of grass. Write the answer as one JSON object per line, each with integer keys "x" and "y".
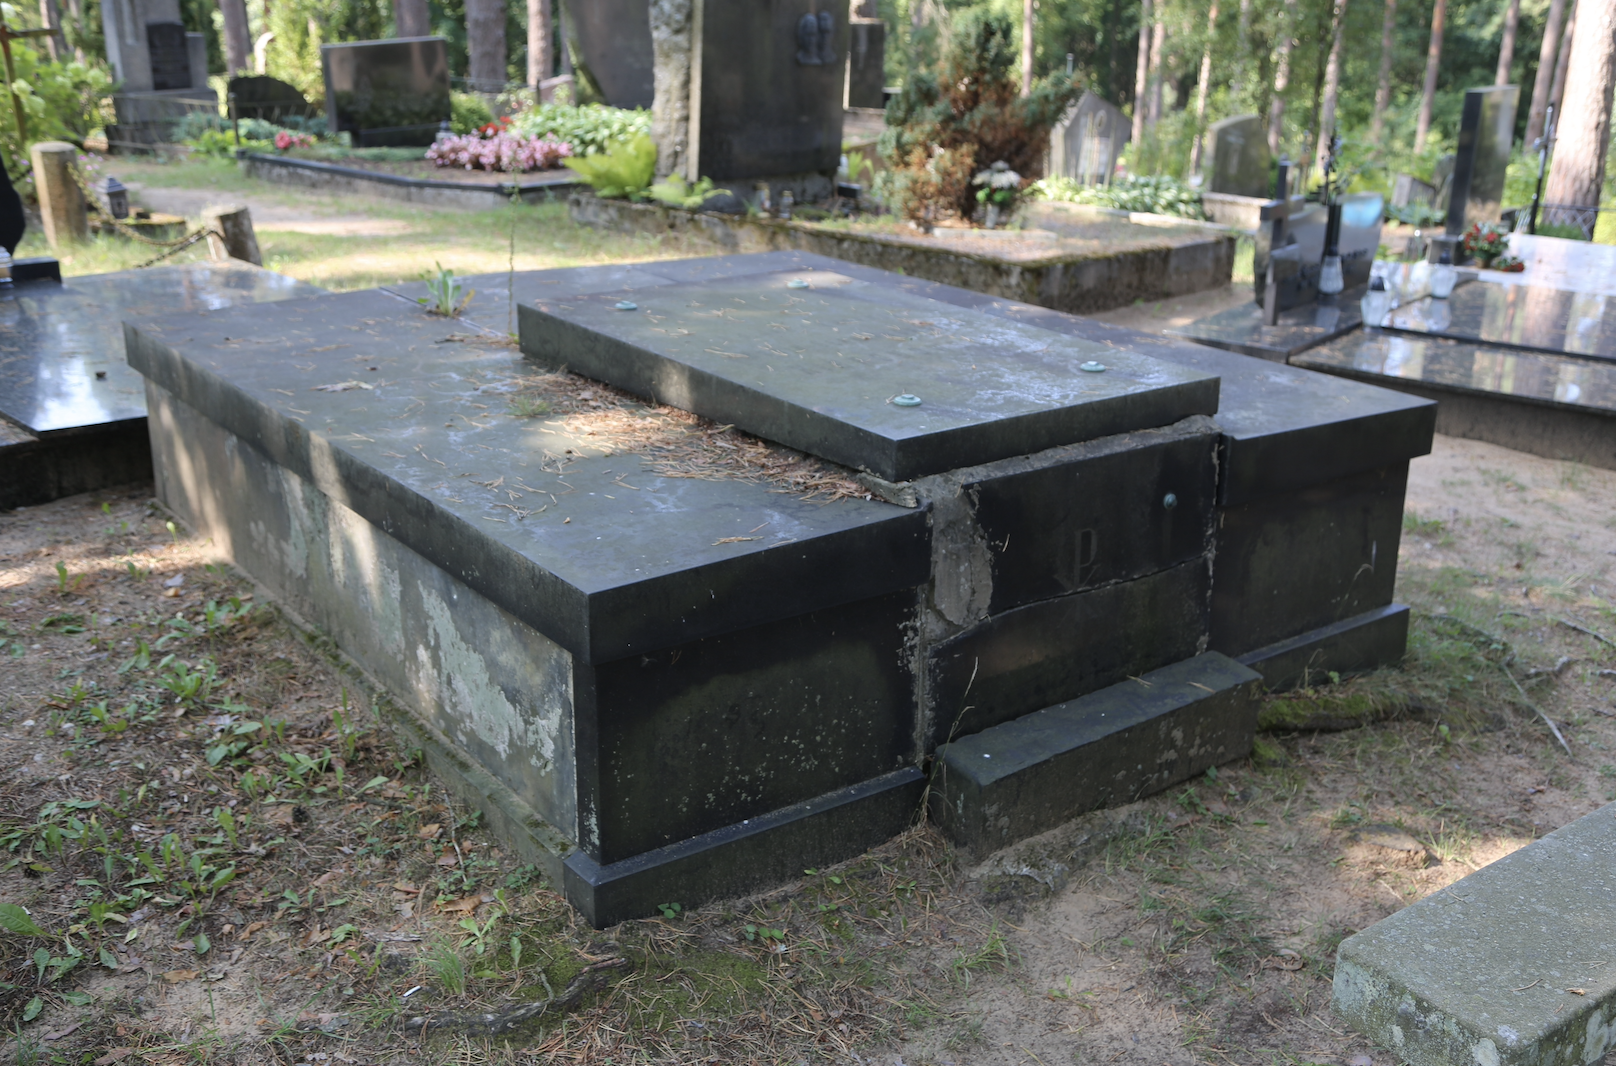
{"x": 1423, "y": 527}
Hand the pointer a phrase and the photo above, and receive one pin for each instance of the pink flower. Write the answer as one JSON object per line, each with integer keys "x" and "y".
{"x": 501, "y": 152}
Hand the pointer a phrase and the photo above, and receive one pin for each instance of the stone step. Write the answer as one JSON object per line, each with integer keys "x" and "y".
{"x": 1515, "y": 964}
{"x": 1111, "y": 747}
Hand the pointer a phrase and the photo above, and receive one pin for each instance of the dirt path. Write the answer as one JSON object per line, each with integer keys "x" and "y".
{"x": 275, "y": 211}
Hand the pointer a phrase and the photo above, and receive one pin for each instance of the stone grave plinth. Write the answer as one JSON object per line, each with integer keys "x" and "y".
{"x": 79, "y": 409}
{"x": 667, "y": 676}
{"x": 161, "y": 70}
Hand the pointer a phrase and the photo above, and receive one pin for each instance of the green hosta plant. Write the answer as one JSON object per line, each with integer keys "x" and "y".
{"x": 445, "y": 296}
{"x": 623, "y": 171}
{"x": 676, "y": 192}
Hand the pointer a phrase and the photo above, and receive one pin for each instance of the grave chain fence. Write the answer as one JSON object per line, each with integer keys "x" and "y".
{"x": 171, "y": 248}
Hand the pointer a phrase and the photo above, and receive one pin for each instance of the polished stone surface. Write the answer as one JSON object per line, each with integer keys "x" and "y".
{"x": 1537, "y": 376}
{"x": 597, "y": 553}
{"x": 62, "y": 362}
{"x": 1558, "y": 263}
{"x": 821, "y": 361}
{"x": 1085, "y": 143}
{"x": 1241, "y": 329}
{"x": 1481, "y": 157}
{"x": 1237, "y": 156}
{"x": 1517, "y": 316}
{"x": 387, "y": 92}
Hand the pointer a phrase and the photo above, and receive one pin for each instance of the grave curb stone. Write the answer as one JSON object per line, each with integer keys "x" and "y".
{"x": 1031, "y": 774}
{"x": 1481, "y": 973}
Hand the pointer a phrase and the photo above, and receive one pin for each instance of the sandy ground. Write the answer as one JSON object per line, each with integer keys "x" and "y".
{"x": 273, "y": 211}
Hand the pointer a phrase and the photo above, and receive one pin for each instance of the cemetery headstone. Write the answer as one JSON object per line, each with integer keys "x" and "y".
{"x": 1087, "y": 140}
{"x": 1361, "y": 215}
{"x": 614, "y": 42}
{"x": 260, "y": 96}
{"x": 161, "y": 69}
{"x": 1442, "y": 180}
{"x": 1237, "y": 160}
{"x": 1486, "y": 135}
{"x": 766, "y": 91}
{"x": 866, "y": 63}
{"x": 1408, "y": 189}
{"x": 387, "y": 93}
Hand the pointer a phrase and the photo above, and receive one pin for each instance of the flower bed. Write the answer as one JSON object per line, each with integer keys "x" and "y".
{"x": 498, "y": 151}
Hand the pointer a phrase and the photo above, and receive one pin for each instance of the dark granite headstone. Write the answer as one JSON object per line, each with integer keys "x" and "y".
{"x": 387, "y": 92}
{"x": 1296, "y": 263}
{"x": 1529, "y": 317}
{"x": 170, "y": 56}
{"x": 1085, "y": 143}
{"x": 614, "y": 39}
{"x": 270, "y": 99}
{"x": 766, "y": 88}
{"x": 1237, "y": 157}
{"x": 1486, "y": 135}
{"x": 866, "y": 64}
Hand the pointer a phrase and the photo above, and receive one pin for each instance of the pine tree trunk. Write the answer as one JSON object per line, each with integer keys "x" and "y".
{"x": 1506, "y": 48}
{"x": 1433, "y": 61}
{"x": 1332, "y": 87}
{"x": 1141, "y": 79}
{"x": 1282, "y": 76}
{"x": 1158, "y": 38}
{"x": 1242, "y": 52}
{"x": 1583, "y": 130}
{"x": 50, "y": 18}
{"x": 1546, "y": 55}
{"x": 237, "y": 43}
{"x": 1383, "y": 91}
{"x": 1557, "y": 88}
{"x": 540, "y": 52}
{"x": 670, "y": 72}
{"x": 1201, "y": 90}
{"x": 411, "y": 18}
{"x": 485, "y": 44}
{"x": 1026, "y": 47}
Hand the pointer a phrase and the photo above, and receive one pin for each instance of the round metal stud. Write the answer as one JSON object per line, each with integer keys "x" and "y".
{"x": 1169, "y": 501}
{"x": 796, "y": 283}
{"x": 906, "y": 399}
{"x": 1092, "y": 367}
{"x": 626, "y": 305}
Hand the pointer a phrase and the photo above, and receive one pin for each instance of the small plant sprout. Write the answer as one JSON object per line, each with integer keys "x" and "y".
{"x": 669, "y": 911}
{"x": 445, "y": 295}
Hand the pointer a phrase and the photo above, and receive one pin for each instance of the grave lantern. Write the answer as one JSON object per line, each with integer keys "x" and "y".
{"x": 117, "y": 197}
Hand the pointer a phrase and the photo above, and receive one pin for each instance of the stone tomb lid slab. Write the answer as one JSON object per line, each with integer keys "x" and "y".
{"x": 62, "y": 362}
{"x": 556, "y": 518}
{"x": 817, "y": 360}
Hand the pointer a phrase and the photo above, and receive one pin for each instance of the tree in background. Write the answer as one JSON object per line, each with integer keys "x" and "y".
{"x": 1383, "y": 86}
{"x": 1506, "y": 46}
{"x": 237, "y": 45}
{"x": 1142, "y": 79}
{"x": 1331, "y": 90}
{"x": 412, "y": 18}
{"x": 1583, "y": 130}
{"x": 485, "y": 45}
{"x": 1547, "y": 53}
{"x": 1282, "y": 77}
{"x": 1433, "y": 62}
{"x": 540, "y": 35}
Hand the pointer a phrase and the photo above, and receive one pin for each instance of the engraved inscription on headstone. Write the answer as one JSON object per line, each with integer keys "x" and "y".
{"x": 1237, "y": 161}
{"x": 1086, "y": 142}
{"x": 170, "y": 57}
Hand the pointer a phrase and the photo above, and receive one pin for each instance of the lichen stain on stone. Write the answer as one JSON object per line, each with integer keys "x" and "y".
{"x": 295, "y": 552}
{"x": 470, "y": 696}
{"x": 1601, "y": 1034}
{"x": 357, "y": 569}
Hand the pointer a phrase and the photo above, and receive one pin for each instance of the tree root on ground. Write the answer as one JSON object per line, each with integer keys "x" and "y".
{"x": 591, "y": 978}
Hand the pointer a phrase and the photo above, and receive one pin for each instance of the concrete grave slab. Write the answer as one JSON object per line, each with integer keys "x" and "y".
{"x": 825, "y": 363}
{"x": 1513, "y": 965}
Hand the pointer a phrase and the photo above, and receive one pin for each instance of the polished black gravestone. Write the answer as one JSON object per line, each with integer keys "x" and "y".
{"x": 1517, "y": 315}
{"x": 1486, "y": 137}
{"x": 387, "y": 92}
{"x": 1557, "y": 406}
{"x": 866, "y": 64}
{"x": 859, "y": 374}
{"x": 766, "y": 89}
{"x": 260, "y": 96}
{"x": 64, "y": 381}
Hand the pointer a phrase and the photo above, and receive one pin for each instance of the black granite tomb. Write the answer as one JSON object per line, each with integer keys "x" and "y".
{"x": 1517, "y": 315}
{"x": 614, "y": 48}
{"x": 260, "y": 96}
{"x": 663, "y": 687}
{"x": 866, "y": 63}
{"x": 387, "y": 92}
{"x": 63, "y": 378}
